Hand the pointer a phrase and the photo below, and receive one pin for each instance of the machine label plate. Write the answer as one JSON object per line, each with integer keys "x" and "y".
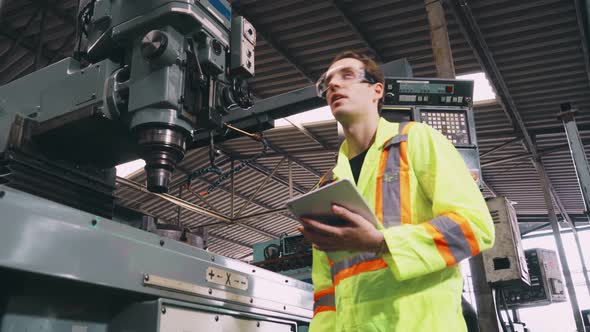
{"x": 227, "y": 278}
{"x": 155, "y": 281}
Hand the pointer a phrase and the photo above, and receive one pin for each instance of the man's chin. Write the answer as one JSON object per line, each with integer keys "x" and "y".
{"x": 343, "y": 116}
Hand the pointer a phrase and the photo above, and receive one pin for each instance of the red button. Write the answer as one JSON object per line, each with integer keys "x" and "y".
{"x": 449, "y": 88}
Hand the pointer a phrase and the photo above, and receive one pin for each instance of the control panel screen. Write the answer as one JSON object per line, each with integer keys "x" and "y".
{"x": 425, "y": 87}
{"x": 452, "y": 124}
{"x": 427, "y": 91}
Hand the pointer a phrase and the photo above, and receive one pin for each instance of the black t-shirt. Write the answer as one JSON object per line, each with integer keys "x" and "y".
{"x": 356, "y": 163}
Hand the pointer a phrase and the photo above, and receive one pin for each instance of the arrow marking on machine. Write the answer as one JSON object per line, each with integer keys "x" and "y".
{"x": 227, "y": 278}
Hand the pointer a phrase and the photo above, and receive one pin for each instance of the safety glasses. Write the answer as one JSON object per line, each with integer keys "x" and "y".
{"x": 345, "y": 75}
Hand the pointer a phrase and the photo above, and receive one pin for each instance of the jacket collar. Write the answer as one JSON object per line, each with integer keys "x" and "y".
{"x": 385, "y": 131}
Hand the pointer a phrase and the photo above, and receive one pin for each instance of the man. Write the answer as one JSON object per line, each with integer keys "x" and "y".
{"x": 406, "y": 276}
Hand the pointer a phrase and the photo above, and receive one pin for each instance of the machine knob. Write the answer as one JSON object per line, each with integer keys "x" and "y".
{"x": 153, "y": 44}
{"x": 389, "y": 97}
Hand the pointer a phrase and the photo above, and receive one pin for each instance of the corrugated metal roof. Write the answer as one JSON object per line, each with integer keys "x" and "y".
{"x": 536, "y": 46}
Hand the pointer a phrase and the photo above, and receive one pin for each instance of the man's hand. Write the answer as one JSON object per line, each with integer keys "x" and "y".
{"x": 359, "y": 235}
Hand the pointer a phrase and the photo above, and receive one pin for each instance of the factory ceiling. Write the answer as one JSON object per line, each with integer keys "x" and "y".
{"x": 535, "y": 53}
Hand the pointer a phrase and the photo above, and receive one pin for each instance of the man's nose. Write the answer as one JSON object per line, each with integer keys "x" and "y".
{"x": 334, "y": 83}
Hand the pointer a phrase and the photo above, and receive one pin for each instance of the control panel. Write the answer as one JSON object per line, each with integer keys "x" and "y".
{"x": 505, "y": 263}
{"x": 444, "y": 104}
{"x": 452, "y": 124}
{"x": 420, "y": 91}
{"x": 546, "y": 282}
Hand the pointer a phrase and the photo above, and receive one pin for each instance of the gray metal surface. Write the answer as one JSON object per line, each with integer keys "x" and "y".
{"x": 573, "y": 300}
{"x": 181, "y": 319}
{"x": 44, "y": 237}
{"x": 578, "y": 155}
{"x": 172, "y": 316}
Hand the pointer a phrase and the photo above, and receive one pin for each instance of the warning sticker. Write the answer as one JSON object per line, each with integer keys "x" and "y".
{"x": 227, "y": 278}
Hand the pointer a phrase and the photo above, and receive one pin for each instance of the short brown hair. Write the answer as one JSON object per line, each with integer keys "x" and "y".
{"x": 371, "y": 66}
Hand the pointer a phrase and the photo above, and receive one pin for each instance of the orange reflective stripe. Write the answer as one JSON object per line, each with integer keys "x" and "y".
{"x": 323, "y": 309}
{"x": 404, "y": 167}
{"x": 441, "y": 244}
{"x": 379, "y": 194}
{"x": 467, "y": 232}
{"x": 368, "y": 266}
{"x": 321, "y": 293}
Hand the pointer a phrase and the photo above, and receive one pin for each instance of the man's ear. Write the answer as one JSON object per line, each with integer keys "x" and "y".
{"x": 378, "y": 88}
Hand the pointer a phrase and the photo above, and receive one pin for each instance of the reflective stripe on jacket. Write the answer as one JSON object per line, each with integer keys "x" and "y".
{"x": 432, "y": 216}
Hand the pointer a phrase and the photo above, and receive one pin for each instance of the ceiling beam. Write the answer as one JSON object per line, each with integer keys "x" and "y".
{"x": 536, "y": 228}
{"x": 227, "y": 191}
{"x": 343, "y": 13}
{"x": 584, "y": 28}
{"x": 231, "y": 153}
{"x": 261, "y": 169}
{"x": 190, "y": 206}
{"x": 470, "y": 29}
{"x": 499, "y": 147}
{"x": 526, "y": 155}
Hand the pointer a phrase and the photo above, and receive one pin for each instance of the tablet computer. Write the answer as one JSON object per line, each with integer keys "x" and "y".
{"x": 317, "y": 204}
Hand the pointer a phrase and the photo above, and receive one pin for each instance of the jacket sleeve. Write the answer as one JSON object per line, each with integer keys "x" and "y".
{"x": 462, "y": 226}
{"x": 324, "y": 308}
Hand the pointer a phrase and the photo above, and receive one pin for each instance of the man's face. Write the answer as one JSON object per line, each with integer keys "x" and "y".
{"x": 351, "y": 100}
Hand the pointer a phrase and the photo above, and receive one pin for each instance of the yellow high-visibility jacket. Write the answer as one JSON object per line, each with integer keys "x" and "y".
{"x": 433, "y": 216}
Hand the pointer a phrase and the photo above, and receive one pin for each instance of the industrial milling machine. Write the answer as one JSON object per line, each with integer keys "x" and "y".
{"x": 151, "y": 79}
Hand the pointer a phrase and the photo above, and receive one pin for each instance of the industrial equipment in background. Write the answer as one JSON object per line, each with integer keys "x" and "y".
{"x": 446, "y": 105}
{"x": 520, "y": 278}
{"x": 546, "y": 281}
{"x": 152, "y": 80}
{"x": 290, "y": 255}
{"x": 505, "y": 263}
{"x": 586, "y": 318}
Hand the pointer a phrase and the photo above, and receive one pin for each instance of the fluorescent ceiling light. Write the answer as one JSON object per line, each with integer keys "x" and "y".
{"x": 315, "y": 115}
{"x": 130, "y": 168}
{"x": 482, "y": 90}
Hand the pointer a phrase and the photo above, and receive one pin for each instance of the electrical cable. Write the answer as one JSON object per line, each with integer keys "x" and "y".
{"x": 499, "y": 312}
{"x": 211, "y": 169}
{"x": 243, "y": 163}
{"x": 237, "y": 169}
{"x": 84, "y": 17}
{"x": 506, "y": 308}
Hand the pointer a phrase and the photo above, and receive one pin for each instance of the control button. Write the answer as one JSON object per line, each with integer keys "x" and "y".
{"x": 460, "y": 99}
{"x": 409, "y": 98}
{"x": 419, "y": 98}
{"x": 454, "y": 99}
{"x": 425, "y": 98}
